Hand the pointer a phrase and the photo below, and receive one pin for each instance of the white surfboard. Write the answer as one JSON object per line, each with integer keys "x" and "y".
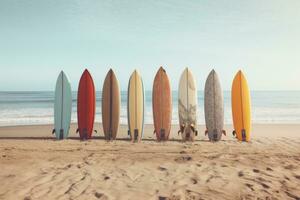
{"x": 187, "y": 106}
{"x": 62, "y": 107}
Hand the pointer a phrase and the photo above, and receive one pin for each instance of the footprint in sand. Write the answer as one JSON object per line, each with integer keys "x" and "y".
{"x": 183, "y": 159}
{"x": 250, "y": 186}
{"x": 194, "y": 181}
{"x": 269, "y": 169}
{"x": 292, "y": 195}
{"x": 241, "y": 174}
{"x": 162, "y": 198}
{"x": 162, "y": 168}
{"x": 290, "y": 167}
{"x": 100, "y": 195}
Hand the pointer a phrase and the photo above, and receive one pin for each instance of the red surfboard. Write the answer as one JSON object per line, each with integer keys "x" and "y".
{"x": 86, "y": 101}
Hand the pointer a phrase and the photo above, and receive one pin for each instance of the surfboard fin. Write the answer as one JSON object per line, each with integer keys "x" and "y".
{"x": 162, "y": 134}
{"x": 61, "y": 134}
{"x": 77, "y": 130}
{"x": 128, "y": 133}
{"x": 224, "y": 132}
{"x": 194, "y": 130}
{"x": 206, "y": 132}
{"x": 154, "y": 132}
{"x": 109, "y": 135}
{"x": 179, "y": 132}
{"x": 215, "y": 135}
{"x": 182, "y": 126}
{"x": 234, "y": 133}
{"x": 244, "y": 135}
{"x": 53, "y": 131}
{"x": 95, "y": 131}
{"x": 136, "y": 134}
{"x": 84, "y": 134}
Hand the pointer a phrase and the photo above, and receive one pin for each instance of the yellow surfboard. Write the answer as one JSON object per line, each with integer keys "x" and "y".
{"x": 135, "y": 107}
{"x": 241, "y": 107}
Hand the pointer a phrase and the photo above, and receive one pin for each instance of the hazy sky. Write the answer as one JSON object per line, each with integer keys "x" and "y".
{"x": 38, "y": 38}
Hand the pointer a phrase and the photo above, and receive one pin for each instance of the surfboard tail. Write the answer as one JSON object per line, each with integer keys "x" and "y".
{"x": 136, "y": 134}
{"x": 162, "y": 134}
{"x": 244, "y": 135}
{"x": 61, "y": 134}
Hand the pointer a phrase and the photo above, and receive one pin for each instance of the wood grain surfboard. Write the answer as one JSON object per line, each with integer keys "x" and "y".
{"x": 135, "y": 107}
{"x": 241, "y": 107}
{"x": 214, "y": 107}
{"x": 86, "y": 104}
{"x": 187, "y": 106}
{"x": 111, "y": 103}
{"x": 162, "y": 105}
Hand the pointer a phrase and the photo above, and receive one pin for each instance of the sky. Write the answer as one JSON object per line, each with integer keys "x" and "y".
{"x": 38, "y": 39}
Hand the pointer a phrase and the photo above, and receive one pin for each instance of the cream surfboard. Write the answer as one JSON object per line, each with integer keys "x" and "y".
{"x": 213, "y": 107}
{"x": 62, "y": 107}
{"x": 187, "y": 106}
{"x": 135, "y": 107}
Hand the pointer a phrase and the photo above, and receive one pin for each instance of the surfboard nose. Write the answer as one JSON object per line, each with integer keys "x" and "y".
{"x": 161, "y": 69}
{"x": 240, "y": 73}
{"x": 111, "y": 71}
{"x": 212, "y": 72}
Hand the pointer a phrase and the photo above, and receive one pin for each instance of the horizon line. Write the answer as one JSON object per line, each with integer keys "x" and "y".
{"x": 147, "y": 90}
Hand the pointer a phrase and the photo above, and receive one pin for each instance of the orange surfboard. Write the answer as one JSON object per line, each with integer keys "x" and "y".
{"x": 162, "y": 105}
{"x": 241, "y": 107}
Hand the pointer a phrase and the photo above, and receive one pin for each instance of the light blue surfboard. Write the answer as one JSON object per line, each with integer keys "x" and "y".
{"x": 62, "y": 107}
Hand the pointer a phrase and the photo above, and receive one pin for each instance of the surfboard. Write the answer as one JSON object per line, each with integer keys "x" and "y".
{"x": 111, "y": 102}
{"x": 86, "y": 101}
{"x": 241, "y": 107}
{"x": 187, "y": 106}
{"x": 214, "y": 107}
{"x": 162, "y": 105}
{"x": 135, "y": 107}
{"x": 62, "y": 106}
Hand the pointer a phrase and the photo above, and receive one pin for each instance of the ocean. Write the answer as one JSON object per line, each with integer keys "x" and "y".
{"x": 29, "y": 108}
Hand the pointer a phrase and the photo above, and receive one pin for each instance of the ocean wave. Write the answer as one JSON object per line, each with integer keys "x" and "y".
{"x": 37, "y": 108}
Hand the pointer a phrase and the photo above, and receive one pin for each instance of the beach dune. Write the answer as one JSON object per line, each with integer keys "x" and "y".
{"x": 36, "y": 166}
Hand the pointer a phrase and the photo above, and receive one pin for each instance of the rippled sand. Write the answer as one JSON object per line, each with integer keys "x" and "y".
{"x": 35, "y": 166}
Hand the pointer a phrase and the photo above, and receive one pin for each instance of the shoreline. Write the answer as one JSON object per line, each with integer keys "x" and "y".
{"x": 258, "y": 131}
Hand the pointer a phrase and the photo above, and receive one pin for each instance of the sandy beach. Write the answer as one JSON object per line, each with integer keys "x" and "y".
{"x": 36, "y": 166}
